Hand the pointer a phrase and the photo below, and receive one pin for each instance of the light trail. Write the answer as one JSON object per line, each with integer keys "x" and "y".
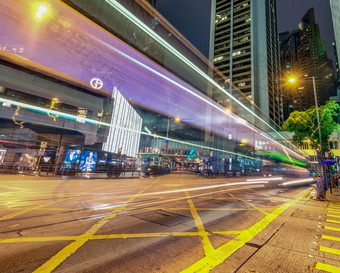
{"x": 266, "y": 179}
{"x": 193, "y": 196}
{"x": 244, "y": 183}
{"x": 297, "y": 182}
{"x": 119, "y": 7}
{"x": 94, "y": 122}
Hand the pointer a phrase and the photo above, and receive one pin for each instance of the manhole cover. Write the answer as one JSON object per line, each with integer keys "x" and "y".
{"x": 162, "y": 217}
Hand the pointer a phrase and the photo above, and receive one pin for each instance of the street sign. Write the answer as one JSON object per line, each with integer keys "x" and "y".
{"x": 329, "y": 162}
{"x": 43, "y": 145}
{"x": 42, "y": 152}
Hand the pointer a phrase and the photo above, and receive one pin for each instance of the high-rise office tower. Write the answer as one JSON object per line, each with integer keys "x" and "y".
{"x": 335, "y": 9}
{"x": 244, "y": 46}
{"x": 312, "y": 61}
{"x": 289, "y": 43}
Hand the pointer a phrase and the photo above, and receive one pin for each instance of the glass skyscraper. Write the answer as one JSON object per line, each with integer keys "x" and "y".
{"x": 335, "y": 8}
{"x": 244, "y": 47}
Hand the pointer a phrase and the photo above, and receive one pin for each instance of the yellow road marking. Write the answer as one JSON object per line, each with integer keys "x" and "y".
{"x": 334, "y": 211}
{"x": 226, "y": 209}
{"x": 249, "y": 204}
{"x": 115, "y": 236}
{"x": 222, "y": 253}
{"x": 332, "y": 221}
{"x": 227, "y": 232}
{"x": 217, "y": 198}
{"x": 206, "y": 244}
{"x": 67, "y": 251}
{"x": 332, "y": 238}
{"x": 336, "y": 207}
{"x": 327, "y": 268}
{"x": 332, "y": 228}
{"x": 331, "y": 215}
{"x": 330, "y": 250}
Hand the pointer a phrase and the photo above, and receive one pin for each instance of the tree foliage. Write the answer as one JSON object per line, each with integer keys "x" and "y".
{"x": 304, "y": 124}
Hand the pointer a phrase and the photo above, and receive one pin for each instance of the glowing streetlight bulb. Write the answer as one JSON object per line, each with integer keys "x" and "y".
{"x": 42, "y": 9}
{"x": 292, "y": 80}
{"x": 177, "y": 119}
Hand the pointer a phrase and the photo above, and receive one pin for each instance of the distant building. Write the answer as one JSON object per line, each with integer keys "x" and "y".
{"x": 244, "y": 46}
{"x": 289, "y": 43}
{"x": 312, "y": 61}
{"x": 335, "y": 9}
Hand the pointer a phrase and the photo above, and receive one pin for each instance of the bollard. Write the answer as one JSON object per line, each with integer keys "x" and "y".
{"x": 320, "y": 188}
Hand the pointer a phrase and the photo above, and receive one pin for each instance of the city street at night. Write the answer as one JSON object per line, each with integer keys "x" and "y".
{"x": 146, "y": 136}
{"x": 173, "y": 223}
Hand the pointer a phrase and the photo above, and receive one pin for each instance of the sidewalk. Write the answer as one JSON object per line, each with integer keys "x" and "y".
{"x": 305, "y": 238}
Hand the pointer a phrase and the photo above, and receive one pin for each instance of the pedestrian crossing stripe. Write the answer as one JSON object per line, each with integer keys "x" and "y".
{"x": 332, "y": 221}
{"x": 327, "y": 268}
{"x": 332, "y": 228}
{"x": 331, "y": 215}
{"x": 334, "y": 211}
{"x": 329, "y": 250}
{"x": 332, "y": 238}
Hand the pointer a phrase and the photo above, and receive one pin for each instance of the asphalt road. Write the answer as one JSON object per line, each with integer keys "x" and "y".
{"x": 173, "y": 223}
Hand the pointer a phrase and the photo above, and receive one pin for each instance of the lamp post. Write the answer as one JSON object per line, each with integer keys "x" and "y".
{"x": 292, "y": 80}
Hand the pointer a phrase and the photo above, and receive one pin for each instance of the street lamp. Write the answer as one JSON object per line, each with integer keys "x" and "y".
{"x": 292, "y": 80}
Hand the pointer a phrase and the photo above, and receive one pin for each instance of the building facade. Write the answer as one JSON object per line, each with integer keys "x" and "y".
{"x": 312, "y": 61}
{"x": 335, "y": 9}
{"x": 244, "y": 47}
{"x": 289, "y": 43}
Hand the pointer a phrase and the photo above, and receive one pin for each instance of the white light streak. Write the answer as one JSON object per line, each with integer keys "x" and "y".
{"x": 298, "y": 181}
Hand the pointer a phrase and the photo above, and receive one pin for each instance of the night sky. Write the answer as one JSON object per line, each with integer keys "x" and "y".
{"x": 192, "y": 19}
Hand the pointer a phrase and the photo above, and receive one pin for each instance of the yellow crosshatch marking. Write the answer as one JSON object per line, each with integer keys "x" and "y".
{"x": 213, "y": 257}
{"x": 206, "y": 244}
{"x": 67, "y": 251}
{"x": 222, "y": 253}
{"x": 249, "y": 204}
{"x": 116, "y": 236}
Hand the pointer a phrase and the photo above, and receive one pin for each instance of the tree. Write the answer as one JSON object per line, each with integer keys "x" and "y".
{"x": 304, "y": 124}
